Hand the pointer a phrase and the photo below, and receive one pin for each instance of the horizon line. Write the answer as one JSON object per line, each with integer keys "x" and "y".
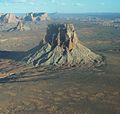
{"x": 60, "y": 12}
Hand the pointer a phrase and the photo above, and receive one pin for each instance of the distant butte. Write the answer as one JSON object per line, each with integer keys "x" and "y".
{"x": 36, "y": 17}
{"x": 8, "y": 18}
{"x": 29, "y": 17}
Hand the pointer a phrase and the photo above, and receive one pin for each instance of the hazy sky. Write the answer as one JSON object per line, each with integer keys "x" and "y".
{"x": 63, "y": 6}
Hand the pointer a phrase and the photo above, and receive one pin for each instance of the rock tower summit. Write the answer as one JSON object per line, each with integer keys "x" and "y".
{"x": 62, "y": 35}
{"x": 61, "y": 46}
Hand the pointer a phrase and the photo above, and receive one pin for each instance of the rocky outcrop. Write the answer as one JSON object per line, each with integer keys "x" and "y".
{"x": 19, "y": 27}
{"x": 36, "y": 17}
{"x": 61, "y": 46}
{"x": 8, "y": 18}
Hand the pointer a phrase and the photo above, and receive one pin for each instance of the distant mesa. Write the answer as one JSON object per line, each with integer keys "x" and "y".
{"x": 30, "y": 17}
{"x": 61, "y": 46}
{"x": 36, "y": 17}
{"x": 8, "y": 18}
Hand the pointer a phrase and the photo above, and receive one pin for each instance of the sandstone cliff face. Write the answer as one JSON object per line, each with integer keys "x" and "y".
{"x": 36, "y": 17}
{"x": 8, "y": 18}
{"x": 61, "y": 46}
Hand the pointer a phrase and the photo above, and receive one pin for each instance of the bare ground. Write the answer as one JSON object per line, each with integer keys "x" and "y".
{"x": 70, "y": 91}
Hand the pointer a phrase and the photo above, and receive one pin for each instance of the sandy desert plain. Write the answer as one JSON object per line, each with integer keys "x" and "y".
{"x": 52, "y": 90}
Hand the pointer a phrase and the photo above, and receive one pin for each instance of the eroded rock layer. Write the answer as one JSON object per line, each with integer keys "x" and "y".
{"x": 61, "y": 46}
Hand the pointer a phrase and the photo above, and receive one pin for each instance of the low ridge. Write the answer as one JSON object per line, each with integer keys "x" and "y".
{"x": 19, "y": 27}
